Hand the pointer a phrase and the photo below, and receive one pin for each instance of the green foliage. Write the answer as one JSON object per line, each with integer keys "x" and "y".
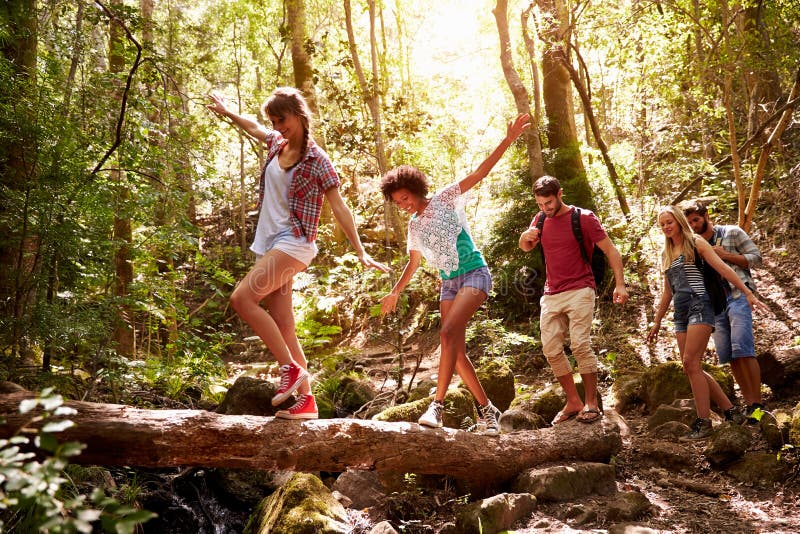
{"x": 35, "y": 494}
{"x": 518, "y": 276}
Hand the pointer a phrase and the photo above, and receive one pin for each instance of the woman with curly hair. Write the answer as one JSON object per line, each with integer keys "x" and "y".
{"x": 438, "y": 231}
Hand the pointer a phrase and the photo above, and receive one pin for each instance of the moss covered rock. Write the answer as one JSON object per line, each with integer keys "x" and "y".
{"x": 495, "y": 514}
{"x": 458, "y": 405}
{"x": 663, "y": 383}
{"x": 304, "y": 505}
{"x": 497, "y": 380}
{"x": 548, "y": 402}
{"x": 760, "y": 468}
{"x": 794, "y": 430}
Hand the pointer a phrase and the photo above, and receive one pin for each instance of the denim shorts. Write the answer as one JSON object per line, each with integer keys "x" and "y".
{"x": 479, "y": 278}
{"x": 692, "y": 309}
{"x": 733, "y": 336}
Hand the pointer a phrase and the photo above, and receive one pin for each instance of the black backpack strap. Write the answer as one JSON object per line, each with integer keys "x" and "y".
{"x": 578, "y": 232}
{"x": 539, "y": 219}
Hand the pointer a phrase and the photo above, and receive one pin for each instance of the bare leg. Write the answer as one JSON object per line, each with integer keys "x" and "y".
{"x": 692, "y": 344}
{"x": 271, "y": 272}
{"x": 279, "y": 304}
{"x": 455, "y": 315}
{"x": 574, "y": 402}
{"x": 590, "y": 390}
{"x": 747, "y": 373}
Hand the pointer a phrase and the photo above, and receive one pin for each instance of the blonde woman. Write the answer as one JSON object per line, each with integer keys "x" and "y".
{"x": 694, "y": 314}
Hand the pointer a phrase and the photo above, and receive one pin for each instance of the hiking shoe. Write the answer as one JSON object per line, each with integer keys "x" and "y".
{"x": 734, "y": 415}
{"x": 489, "y": 419}
{"x": 304, "y": 408}
{"x": 291, "y": 378}
{"x": 433, "y": 415}
{"x": 754, "y": 412}
{"x": 701, "y": 429}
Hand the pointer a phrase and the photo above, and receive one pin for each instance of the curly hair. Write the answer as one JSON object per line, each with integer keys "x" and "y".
{"x": 404, "y": 177}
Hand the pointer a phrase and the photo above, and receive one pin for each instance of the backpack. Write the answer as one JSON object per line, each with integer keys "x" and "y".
{"x": 716, "y": 286}
{"x": 598, "y": 260}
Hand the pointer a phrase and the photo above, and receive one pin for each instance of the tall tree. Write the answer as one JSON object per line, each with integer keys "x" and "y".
{"x": 122, "y": 232}
{"x": 533, "y": 143}
{"x": 17, "y": 158}
{"x": 562, "y": 135}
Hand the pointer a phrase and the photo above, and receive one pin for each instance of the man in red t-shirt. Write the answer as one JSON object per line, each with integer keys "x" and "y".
{"x": 569, "y": 294}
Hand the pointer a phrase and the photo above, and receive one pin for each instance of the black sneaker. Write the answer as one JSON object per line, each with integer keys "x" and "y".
{"x": 433, "y": 415}
{"x": 754, "y": 413}
{"x": 489, "y": 421}
{"x": 734, "y": 415}
{"x": 701, "y": 429}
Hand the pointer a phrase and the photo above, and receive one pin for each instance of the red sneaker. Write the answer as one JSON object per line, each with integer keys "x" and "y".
{"x": 291, "y": 378}
{"x": 304, "y": 408}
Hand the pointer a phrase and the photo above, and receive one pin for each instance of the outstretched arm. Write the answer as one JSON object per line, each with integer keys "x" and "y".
{"x": 252, "y": 127}
{"x": 389, "y": 302}
{"x": 708, "y": 254}
{"x": 514, "y": 130}
{"x": 345, "y": 219}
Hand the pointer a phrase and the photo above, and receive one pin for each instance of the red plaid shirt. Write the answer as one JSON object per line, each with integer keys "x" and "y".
{"x": 312, "y": 177}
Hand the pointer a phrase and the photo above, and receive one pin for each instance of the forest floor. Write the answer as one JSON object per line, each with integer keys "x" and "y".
{"x": 693, "y": 496}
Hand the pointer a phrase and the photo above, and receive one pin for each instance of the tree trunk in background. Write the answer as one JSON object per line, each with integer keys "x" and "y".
{"x": 17, "y": 168}
{"x": 763, "y": 83}
{"x": 595, "y": 129}
{"x": 368, "y": 87}
{"x": 562, "y": 136}
{"x": 165, "y": 212}
{"x": 122, "y": 233}
{"x": 519, "y": 92}
{"x": 303, "y": 71}
{"x": 766, "y": 149}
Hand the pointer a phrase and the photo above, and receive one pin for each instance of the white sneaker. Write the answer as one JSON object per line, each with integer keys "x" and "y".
{"x": 490, "y": 419}
{"x": 433, "y": 415}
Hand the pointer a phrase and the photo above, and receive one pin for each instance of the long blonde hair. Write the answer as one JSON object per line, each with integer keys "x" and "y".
{"x": 688, "y": 248}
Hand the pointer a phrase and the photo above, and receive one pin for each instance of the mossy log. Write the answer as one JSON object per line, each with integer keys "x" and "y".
{"x": 123, "y": 435}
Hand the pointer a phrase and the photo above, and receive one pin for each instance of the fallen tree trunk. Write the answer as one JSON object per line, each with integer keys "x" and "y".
{"x": 123, "y": 435}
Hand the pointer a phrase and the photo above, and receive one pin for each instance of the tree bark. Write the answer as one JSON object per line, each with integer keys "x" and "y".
{"x": 122, "y": 435}
{"x": 755, "y": 189}
{"x": 598, "y": 137}
{"x": 562, "y": 135}
{"x": 122, "y": 231}
{"x": 533, "y": 143}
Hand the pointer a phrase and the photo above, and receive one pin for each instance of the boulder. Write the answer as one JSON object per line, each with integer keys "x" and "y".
{"x": 302, "y": 506}
{"x": 251, "y": 396}
{"x": 353, "y": 393}
{"x": 248, "y": 485}
{"x": 627, "y": 506}
{"x": 728, "y": 443}
{"x": 384, "y": 527}
{"x": 628, "y": 393}
{"x": 668, "y": 413}
{"x": 521, "y": 419}
{"x": 670, "y": 456}
{"x": 794, "y": 431}
{"x": 363, "y": 488}
{"x": 495, "y": 514}
{"x": 775, "y": 427}
{"x": 671, "y": 431}
{"x": 759, "y": 468}
{"x": 497, "y": 380}
{"x": 663, "y": 383}
{"x": 459, "y": 405}
{"x": 567, "y": 482}
{"x": 549, "y": 401}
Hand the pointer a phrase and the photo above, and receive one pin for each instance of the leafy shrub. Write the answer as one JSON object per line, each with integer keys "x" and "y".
{"x": 34, "y": 494}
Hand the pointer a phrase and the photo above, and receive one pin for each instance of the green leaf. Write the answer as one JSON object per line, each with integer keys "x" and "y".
{"x": 57, "y": 426}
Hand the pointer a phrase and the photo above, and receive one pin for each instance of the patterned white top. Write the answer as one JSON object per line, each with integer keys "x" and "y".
{"x": 435, "y": 231}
